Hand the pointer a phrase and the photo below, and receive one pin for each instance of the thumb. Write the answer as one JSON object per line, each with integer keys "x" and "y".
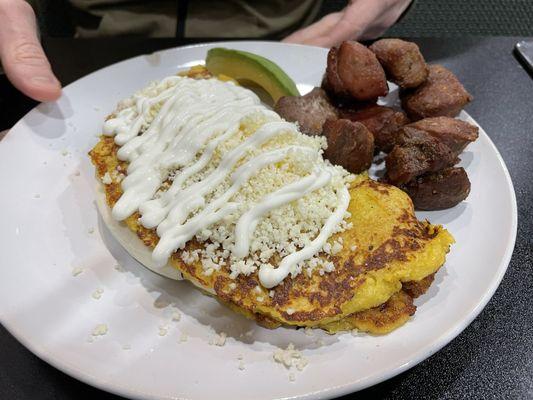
{"x": 22, "y": 56}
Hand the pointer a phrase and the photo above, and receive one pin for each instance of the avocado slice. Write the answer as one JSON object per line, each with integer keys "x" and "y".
{"x": 251, "y": 70}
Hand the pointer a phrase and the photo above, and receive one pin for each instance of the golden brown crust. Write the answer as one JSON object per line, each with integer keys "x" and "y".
{"x": 388, "y": 316}
{"x": 379, "y": 320}
{"x": 418, "y": 288}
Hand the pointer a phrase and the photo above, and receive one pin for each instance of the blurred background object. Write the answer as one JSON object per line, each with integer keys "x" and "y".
{"x": 425, "y": 18}
{"x": 444, "y": 18}
{"x": 525, "y": 50}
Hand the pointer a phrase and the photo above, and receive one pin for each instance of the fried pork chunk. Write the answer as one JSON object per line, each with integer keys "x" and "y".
{"x": 310, "y": 111}
{"x": 454, "y": 133}
{"x": 438, "y": 190}
{"x": 331, "y": 81}
{"x": 440, "y": 95}
{"x": 402, "y": 61}
{"x": 382, "y": 121}
{"x": 416, "y": 153}
{"x": 350, "y": 144}
{"x": 354, "y": 71}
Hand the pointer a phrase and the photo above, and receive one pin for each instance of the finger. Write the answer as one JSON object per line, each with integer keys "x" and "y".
{"x": 357, "y": 16}
{"x": 313, "y": 31}
{"x": 317, "y": 29}
{"x": 368, "y": 19}
{"x": 22, "y": 56}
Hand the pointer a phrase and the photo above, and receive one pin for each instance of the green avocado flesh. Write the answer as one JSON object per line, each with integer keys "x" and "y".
{"x": 251, "y": 70}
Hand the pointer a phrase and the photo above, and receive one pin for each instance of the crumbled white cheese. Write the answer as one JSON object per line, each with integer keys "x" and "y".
{"x": 190, "y": 257}
{"x": 106, "y": 179}
{"x": 114, "y": 176}
{"x": 353, "y": 247}
{"x": 327, "y": 266}
{"x": 336, "y": 248}
{"x": 290, "y": 357}
{"x": 99, "y": 330}
{"x": 233, "y": 286}
{"x": 260, "y": 299}
{"x": 257, "y": 289}
{"x": 97, "y": 294}
{"x": 76, "y": 271}
{"x": 285, "y": 229}
{"x": 163, "y": 330}
{"x": 176, "y": 316}
{"x": 290, "y": 310}
{"x": 308, "y": 331}
{"x": 219, "y": 340}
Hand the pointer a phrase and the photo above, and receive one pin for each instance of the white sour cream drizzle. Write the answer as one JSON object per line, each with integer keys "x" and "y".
{"x": 270, "y": 277}
{"x": 195, "y": 117}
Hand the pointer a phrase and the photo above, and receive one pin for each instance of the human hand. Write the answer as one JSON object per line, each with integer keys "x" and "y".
{"x": 21, "y": 54}
{"x": 359, "y": 20}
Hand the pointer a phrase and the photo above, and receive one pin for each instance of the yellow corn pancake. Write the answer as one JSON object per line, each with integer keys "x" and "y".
{"x": 377, "y": 320}
{"x": 388, "y": 316}
{"x": 385, "y": 246}
{"x": 387, "y": 259}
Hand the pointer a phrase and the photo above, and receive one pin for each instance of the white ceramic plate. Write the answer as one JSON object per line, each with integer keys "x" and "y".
{"x": 48, "y": 214}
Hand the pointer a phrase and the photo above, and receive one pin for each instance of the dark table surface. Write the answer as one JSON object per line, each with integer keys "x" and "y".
{"x": 493, "y": 357}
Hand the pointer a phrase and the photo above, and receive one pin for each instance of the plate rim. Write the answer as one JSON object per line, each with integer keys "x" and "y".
{"x": 447, "y": 337}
